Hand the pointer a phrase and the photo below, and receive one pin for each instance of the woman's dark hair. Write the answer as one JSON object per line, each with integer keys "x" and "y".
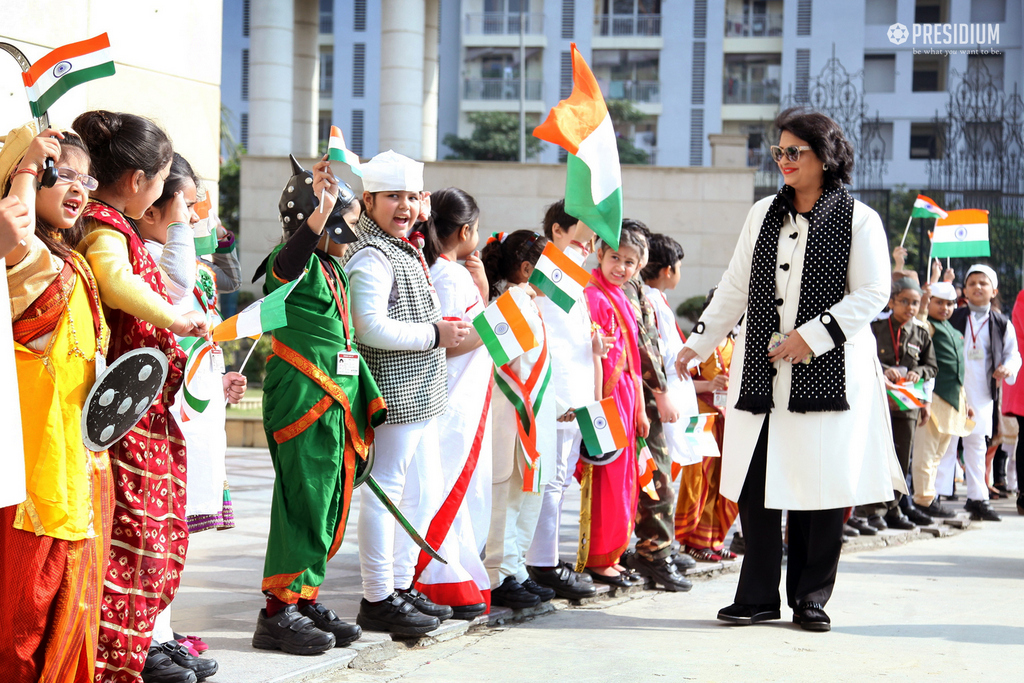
{"x": 826, "y": 139}
{"x": 663, "y": 252}
{"x": 502, "y": 259}
{"x": 450, "y": 209}
{"x": 555, "y": 213}
{"x": 181, "y": 172}
{"x": 122, "y": 143}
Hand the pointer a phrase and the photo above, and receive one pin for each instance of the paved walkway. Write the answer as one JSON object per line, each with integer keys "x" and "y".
{"x": 220, "y": 598}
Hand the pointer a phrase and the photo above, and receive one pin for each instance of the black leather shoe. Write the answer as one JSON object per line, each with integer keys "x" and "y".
{"x": 662, "y": 572}
{"x": 563, "y": 581}
{"x": 918, "y": 516}
{"x": 811, "y": 617}
{"x": 396, "y": 615}
{"x": 745, "y": 615}
{"x": 326, "y": 620}
{"x": 179, "y": 654}
{"x": 877, "y": 522}
{"x": 937, "y": 510}
{"x": 862, "y": 527}
{"x": 512, "y": 594}
{"x": 160, "y": 668}
{"x": 424, "y": 604}
{"x": 739, "y": 544}
{"x": 683, "y": 561}
{"x": 618, "y": 580}
{"x": 543, "y": 592}
{"x": 849, "y": 532}
{"x": 895, "y": 519}
{"x": 1020, "y": 504}
{"x": 981, "y": 510}
{"x": 468, "y": 612}
{"x": 291, "y": 632}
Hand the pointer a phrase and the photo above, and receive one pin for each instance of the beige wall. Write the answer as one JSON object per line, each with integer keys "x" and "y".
{"x": 167, "y": 58}
{"x": 703, "y": 208}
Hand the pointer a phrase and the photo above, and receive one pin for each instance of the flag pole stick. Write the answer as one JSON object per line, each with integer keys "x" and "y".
{"x": 246, "y": 360}
{"x": 907, "y": 229}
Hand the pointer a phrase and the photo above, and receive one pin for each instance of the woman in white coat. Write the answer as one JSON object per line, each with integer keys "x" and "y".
{"x": 808, "y": 428}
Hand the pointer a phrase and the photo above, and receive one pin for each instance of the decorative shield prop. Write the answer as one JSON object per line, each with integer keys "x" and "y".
{"x": 601, "y": 458}
{"x": 121, "y": 396}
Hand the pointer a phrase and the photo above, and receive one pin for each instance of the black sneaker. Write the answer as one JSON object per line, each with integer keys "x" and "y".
{"x": 291, "y": 632}
{"x": 160, "y": 668}
{"x": 662, "y": 572}
{"x": 512, "y": 594}
{"x": 683, "y": 561}
{"x": 396, "y": 615}
{"x": 877, "y": 522}
{"x": 468, "y": 612}
{"x": 179, "y": 654}
{"x": 918, "y": 516}
{"x": 422, "y": 603}
{"x": 563, "y": 581}
{"x": 326, "y": 620}
{"x": 861, "y": 526}
{"x": 895, "y": 519}
{"x": 981, "y": 510}
{"x": 543, "y": 592}
{"x": 745, "y": 615}
{"x": 937, "y": 509}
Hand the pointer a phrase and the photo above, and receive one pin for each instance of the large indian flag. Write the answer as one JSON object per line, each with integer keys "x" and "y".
{"x": 593, "y": 181}
{"x": 601, "y": 426}
{"x": 961, "y": 233}
{"x": 64, "y": 68}
{"x": 337, "y": 151}
{"x": 262, "y": 315}
{"x": 504, "y": 330}
{"x": 560, "y": 277}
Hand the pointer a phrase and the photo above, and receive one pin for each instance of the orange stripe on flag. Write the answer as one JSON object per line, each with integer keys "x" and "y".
{"x": 611, "y": 413}
{"x": 336, "y": 132}
{"x": 62, "y": 53}
{"x": 575, "y": 118}
{"x": 964, "y": 217}
{"x": 202, "y": 208}
{"x": 566, "y": 264}
{"x": 516, "y": 322}
{"x": 195, "y": 365}
{"x": 227, "y": 330}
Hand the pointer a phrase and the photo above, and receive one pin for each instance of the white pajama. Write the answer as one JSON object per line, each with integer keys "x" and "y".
{"x": 543, "y": 550}
{"x": 974, "y": 466}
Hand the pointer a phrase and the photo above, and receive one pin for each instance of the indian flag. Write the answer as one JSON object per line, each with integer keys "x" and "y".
{"x": 961, "y": 233}
{"x": 504, "y": 329}
{"x": 700, "y": 433}
{"x": 647, "y": 469}
{"x": 560, "y": 277}
{"x": 64, "y": 68}
{"x": 908, "y": 396}
{"x": 602, "y": 427}
{"x": 205, "y": 238}
{"x": 262, "y": 315}
{"x": 593, "y": 181}
{"x": 194, "y": 403}
{"x": 925, "y": 207}
{"x": 337, "y": 151}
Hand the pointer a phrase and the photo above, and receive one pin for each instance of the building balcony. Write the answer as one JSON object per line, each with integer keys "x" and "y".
{"x": 743, "y": 92}
{"x": 767, "y": 25}
{"x": 623, "y": 25}
{"x": 500, "y": 89}
{"x": 326, "y": 21}
{"x": 503, "y": 24}
{"x": 646, "y": 92}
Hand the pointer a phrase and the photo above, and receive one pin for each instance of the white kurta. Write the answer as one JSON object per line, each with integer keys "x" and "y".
{"x": 819, "y": 460}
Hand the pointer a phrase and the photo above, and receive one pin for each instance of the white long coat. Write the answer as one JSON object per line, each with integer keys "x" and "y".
{"x": 820, "y": 460}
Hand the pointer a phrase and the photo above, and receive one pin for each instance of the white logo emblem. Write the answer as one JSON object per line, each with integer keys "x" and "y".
{"x": 960, "y": 233}
{"x": 556, "y": 276}
{"x": 501, "y": 328}
{"x": 600, "y": 423}
{"x": 898, "y": 34}
{"x": 61, "y": 69}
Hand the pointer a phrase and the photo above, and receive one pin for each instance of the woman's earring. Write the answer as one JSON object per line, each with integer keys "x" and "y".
{"x": 824, "y": 167}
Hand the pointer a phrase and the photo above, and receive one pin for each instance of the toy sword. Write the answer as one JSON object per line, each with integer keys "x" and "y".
{"x": 396, "y": 513}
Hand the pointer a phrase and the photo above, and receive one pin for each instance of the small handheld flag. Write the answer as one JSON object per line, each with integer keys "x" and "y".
{"x": 647, "y": 467}
{"x": 925, "y": 207}
{"x": 205, "y": 238}
{"x": 593, "y": 179}
{"x": 262, "y": 315}
{"x": 601, "y": 426}
{"x": 337, "y": 151}
{"x": 504, "y": 330}
{"x": 65, "y": 67}
{"x": 961, "y": 233}
{"x": 907, "y": 395}
{"x": 700, "y": 434}
{"x": 560, "y": 278}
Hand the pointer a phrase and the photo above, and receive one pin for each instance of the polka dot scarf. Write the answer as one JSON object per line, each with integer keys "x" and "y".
{"x": 821, "y": 384}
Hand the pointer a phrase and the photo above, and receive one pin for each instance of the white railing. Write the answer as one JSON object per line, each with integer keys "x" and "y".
{"x": 499, "y": 89}
{"x": 503, "y": 24}
{"x": 768, "y": 25}
{"x": 744, "y": 92}
{"x": 627, "y": 25}
{"x": 648, "y": 92}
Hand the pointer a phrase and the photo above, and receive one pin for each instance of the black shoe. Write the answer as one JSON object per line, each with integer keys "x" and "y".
{"x": 291, "y": 632}
{"x": 918, "y": 516}
{"x": 895, "y": 519}
{"x": 877, "y": 522}
{"x": 951, "y": 499}
{"x": 662, "y": 572}
{"x": 621, "y": 580}
{"x": 849, "y": 531}
{"x": 981, "y": 510}
{"x": 543, "y": 592}
{"x": 936, "y": 509}
{"x": 811, "y": 617}
{"x": 468, "y": 612}
{"x": 1020, "y": 504}
{"x": 739, "y": 544}
{"x": 179, "y": 654}
{"x": 745, "y": 615}
{"x": 512, "y": 594}
{"x": 396, "y": 615}
{"x": 160, "y": 668}
{"x": 683, "y": 561}
{"x": 422, "y": 603}
{"x": 563, "y": 581}
{"x": 862, "y": 527}
{"x": 326, "y": 620}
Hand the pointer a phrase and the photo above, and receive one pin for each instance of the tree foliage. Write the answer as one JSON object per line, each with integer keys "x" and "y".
{"x": 495, "y": 137}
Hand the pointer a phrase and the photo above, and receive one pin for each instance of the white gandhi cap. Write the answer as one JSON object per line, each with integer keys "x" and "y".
{"x": 392, "y": 171}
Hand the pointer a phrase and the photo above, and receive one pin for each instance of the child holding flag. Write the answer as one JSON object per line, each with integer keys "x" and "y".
{"x": 523, "y": 419}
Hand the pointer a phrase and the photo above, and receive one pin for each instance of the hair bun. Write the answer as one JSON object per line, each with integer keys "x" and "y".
{"x": 98, "y": 127}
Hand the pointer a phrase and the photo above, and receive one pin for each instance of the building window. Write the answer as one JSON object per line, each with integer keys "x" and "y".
{"x": 930, "y": 12}
{"x": 327, "y": 16}
{"x": 627, "y": 74}
{"x": 626, "y": 17}
{"x": 568, "y": 18}
{"x": 245, "y": 75}
{"x": 991, "y": 65}
{"x": 696, "y": 137}
{"x": 880, "y": 12}
{"x": 803, "y": 17}
{"x": 751, "y": 79}
{"x": 879, "y": 73}
{"x": 924, "y": 141}
{"x": 326, "y": 71}
{"x": 323, "y": 133}
{"x": 356, "y": 143}
{"x": 803, "y": 75}
{"x": 359, "y": 70}
{"x": 988, "y": 11}
{"x": 246, "y": 12}
{"x": 359, "y": 15}
{"x": 243, "y": 129}
{"x": 929, "y": 73}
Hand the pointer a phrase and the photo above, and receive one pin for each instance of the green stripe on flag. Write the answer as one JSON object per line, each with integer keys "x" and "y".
{"x": 960, "y": 249}
{"x": 206, "y": 244}
{"x": 605, "y": 219}
{"x": 921, "y": 212}
{"x": 586, "y": 423}
{"x": 490, "y": 340}
{"x": 551, "y": 290}
{"x": 513, "y": 397}
{"x": 68, "y": 82}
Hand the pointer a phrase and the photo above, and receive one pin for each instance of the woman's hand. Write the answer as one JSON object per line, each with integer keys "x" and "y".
{"x": 667, "y": 411}
{"x": 476, "y": 268}
{"x": 15, "y": 224}
{"x": 234, "y": 386}
{"x": 43, "y": 146}
{"x": 793, "y": 350}
{"x": 325, "y": 188}
{"x": 683, "y": 360}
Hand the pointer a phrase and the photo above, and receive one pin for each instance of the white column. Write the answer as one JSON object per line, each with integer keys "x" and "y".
{"x": 306, "y": 90}
{"x": 401, "y": 76}
{"x": 431, "y": 72}
{"x": 270, "y": 77}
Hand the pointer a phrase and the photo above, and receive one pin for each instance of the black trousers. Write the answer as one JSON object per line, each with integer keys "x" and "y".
{"x": 815, "y": 542}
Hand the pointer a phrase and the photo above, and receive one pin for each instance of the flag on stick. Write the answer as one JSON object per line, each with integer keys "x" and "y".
{"x": 700, "y": 434}
{"x": 925, "y": 207}
{"x": 65, "y": 67}
{"x": 647, "y": 468}
{"x": 907, "y": 395}
{"x": 504, "y": 330}
{"x": 337, "y": 151}
{"x": 961, "y": 233}
{"x": 593, "y": 180}
{"x": 601, "y": 426}
{"x": 205, "y": 237}
{"x": 560, "y": 278}
{"x": 262, "y": 315}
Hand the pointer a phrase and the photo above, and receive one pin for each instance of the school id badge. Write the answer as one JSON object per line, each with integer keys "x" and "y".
{"x": 348, "y": 363}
